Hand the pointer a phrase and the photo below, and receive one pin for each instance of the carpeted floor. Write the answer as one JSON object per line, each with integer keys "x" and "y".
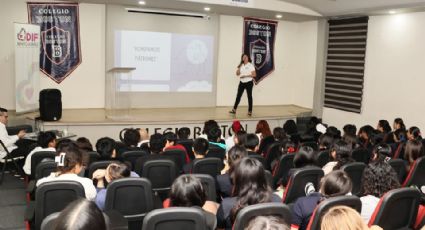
{"x": 12, "y": 203}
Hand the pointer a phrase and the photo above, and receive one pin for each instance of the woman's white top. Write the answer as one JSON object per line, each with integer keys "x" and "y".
{"x": 369, "y": 204}
{"x": 89, "y": 188}
{"x": 246, "y": 69}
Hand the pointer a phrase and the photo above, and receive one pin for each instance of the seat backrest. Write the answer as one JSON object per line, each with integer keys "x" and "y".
{"x": 273, "y": 153}
{"x": 132, "y": 156}
{"x": 355, "y": 171}
{"x": 323, "y": 158}
{"x": 361, "y": 155}
{"x": 161, "y": 173}
{"x": 98, "y": 165}
{"x": 132, "y": 197}
{"x": 45, "y": 168}
{"x": 416, "y": 174}
{"x": 208, "y": 182}
{"x": 264, "y": 209}
{"x": 37, "y": 157}
{"x": 397, "y": 209}
{"x": 217, "y": 152}
{"x": 54, "y": 196}
{"x": 316, "y": 218}
{"x": 175, "y": 218}
{"x": 259, "y": 158}
{"x": 399, "y": 167}
{"x": 211, "y": 166}
{"x": 297, "y": 182}
{"x": 92, "y": 156}
{"x": 188, "y": 144}
{"x": 280, "y": 173}
{"x": 178, "y": 155}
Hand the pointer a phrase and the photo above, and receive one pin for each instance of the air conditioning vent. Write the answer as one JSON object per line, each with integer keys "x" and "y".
{"x": 167, "y": 12}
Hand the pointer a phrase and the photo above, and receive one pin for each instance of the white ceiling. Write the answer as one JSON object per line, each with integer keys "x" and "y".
{"x": 353, "y": 7}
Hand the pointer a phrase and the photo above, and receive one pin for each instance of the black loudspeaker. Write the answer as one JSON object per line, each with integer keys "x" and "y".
{"x": 50, "y": 104}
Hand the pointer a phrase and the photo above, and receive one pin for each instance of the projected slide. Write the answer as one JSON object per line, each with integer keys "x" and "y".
{"x": 165, "y": 62}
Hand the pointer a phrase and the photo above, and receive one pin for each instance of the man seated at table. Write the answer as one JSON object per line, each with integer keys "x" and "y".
{"x": 12, "y": 143}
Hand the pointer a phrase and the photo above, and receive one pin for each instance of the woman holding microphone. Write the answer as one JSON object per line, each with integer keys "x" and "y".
{"x": 246, "y": 73}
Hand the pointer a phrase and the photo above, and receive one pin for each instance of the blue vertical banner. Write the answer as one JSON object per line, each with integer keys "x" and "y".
{"x": 60, "y": 50}
{"x": 258, "y": 43}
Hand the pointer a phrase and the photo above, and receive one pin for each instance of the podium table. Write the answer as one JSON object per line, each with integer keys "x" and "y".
{"x": 117, "y": 92}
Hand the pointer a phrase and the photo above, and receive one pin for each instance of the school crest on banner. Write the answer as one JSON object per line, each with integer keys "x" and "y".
{"x": 60, "y": 51}
{"x": 259, "y": 39}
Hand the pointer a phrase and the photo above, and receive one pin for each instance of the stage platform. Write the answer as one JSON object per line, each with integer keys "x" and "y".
{"x": 94, "y": 123}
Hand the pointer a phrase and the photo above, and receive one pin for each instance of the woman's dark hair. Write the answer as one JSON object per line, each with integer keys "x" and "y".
{"x": 234, "y": 155}
{"x": 290, "y": 127}
{"x": 382, "y": 152}
{"x": 183, "y": 133}
{"x": 84, "y": 144}
{"x": 349, "y": 129}
{"x": 249, "y": 59}
{"x": 263, "y": 128}
{"x": 368, "y": 130}
{"x": 343, "y": 154}
{"x": 105, "y": 146}
{"x": 415, "y": 132}
{"x": 279, "y": 134}
{"x": 311, "y": 125}
{"x": 241, "y": 137}
{"x": 81, "y": 214}
{"x": 171, "y": 137}
{"x": 413, "y": 150}
{"x": 156, "y": 142}
{"x": 200, "y": 146}
{"x": 325, "y": 141}
{"x": 400, "y": 122}
{"x": 214, "y": 134}
{"x": 378, "y": 178}
{"x": 187, "y": 191}
{"x": 62, "y": 143}
{"x": 304, "y": 157}
{"x": 334, "y": 132}
{"x": 400, "y": 135}
{"x": 208, "y": 125}
{"x": 385, "y": 125}
{"x": 73, "y": 157}
{"x": 336, "y": 183}
{"x": 250, "y": 185}
{"x": 44, "y": 138}
{"x": 252, "y": 141}
{"x": 131, "y": 137}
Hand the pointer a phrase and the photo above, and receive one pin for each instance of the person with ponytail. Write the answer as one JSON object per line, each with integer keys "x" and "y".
{"x": 414, "y": 133}
{"x": 381, "y": 153}
{"x": 250, "y": 187}
{"x": 340, "y": 154}
{"x": 70, "y": 160}
{"x": 413, "y": 150}
{"x": 400, "y": 138}
{"x": 399, "y": 124}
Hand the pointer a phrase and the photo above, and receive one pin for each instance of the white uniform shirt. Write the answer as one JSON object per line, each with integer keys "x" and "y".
{"x": 8, "y": 141}
{"x": 246, "y": 69}
{"x": 27, "y": 165}
{"x": 369, "y": 204}
{"x": 89, "y": 188}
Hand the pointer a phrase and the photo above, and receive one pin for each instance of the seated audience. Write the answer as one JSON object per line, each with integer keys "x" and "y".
{"x": 365, "y": 135}
{"x": 413, "y": 150}
{"x": 252, "y": 144}
{"x": 400, "y": 138}
{"x": 103, "y": 177}
{"x": 107, "y": 149}
{"x": 336, "y": 183}
{"x": 325, "y": 141}
{"x": 265, "y": 136}
{"x": 414, "y": 133}
{"x": 84, "y": 144}
{"x": 234, "y": 129}
{"x": 200, "y": 150}
{"x": 187, "y": 191}
{"x": 46, "y": 141}
{"x": 144, "y": 140}
{"x": 279, "y": 135}
{"x": 81, "y": 215}
{"x": 250, "y": 187}
{"x": 344, "y": 218}
{"x": 224, "y": 181}
{"x": 378, "y": 178}
{"x": 304, "y": 158}
{"x": 384, "y": 128}
{"x": 171, "y": 144}
{"x": 291, "y": 131}
{"x": 340, "y": 154}
{"x": 334, "y": 132}
{"x": 399, "y": 124}
{"x": 183, "y": 133}
{"x": 70, "y": 160}
{"x": 349, "y": 129}
{"x": 130, "y": 140}
{"x": 208, "y": 125}
{"x": 267, "y": 223}
{"x": 351, "y": 140}
{"x": 214, "y": 137}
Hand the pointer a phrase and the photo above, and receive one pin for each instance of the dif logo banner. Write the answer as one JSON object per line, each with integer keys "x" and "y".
{"x": 27, "y": 38}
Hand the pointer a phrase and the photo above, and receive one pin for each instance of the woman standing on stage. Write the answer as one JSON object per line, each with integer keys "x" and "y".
{"x": 246, "y": 73}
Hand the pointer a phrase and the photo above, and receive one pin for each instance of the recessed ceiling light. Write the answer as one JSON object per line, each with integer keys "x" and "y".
{"x": 392, "y": 12}
{"x": 142, "y": 3}
{"x": 207, "y": 8}
{"x": 278, "y": 16}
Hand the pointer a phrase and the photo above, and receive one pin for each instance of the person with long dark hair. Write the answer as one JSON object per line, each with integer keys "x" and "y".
{"x": 250, "y": 187}
{"x": 340, "y": 154}
{"x": 246, "y": 72}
